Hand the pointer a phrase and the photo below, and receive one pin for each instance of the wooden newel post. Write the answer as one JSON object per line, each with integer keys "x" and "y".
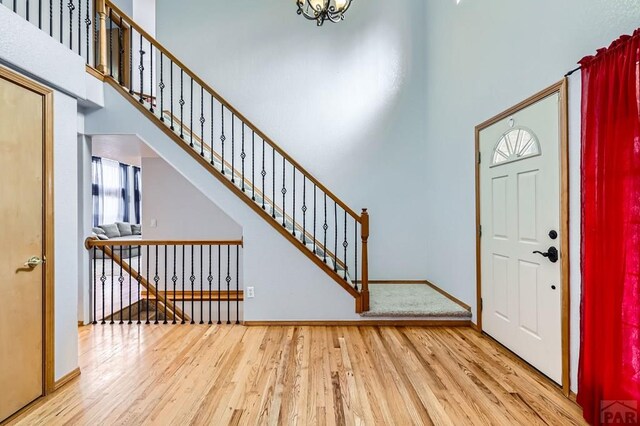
{"x": 101, "y": 9}
{"x": 364, "y": 293}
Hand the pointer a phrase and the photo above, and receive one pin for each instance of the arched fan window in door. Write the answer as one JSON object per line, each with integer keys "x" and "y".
{"x": 516, "y": 144}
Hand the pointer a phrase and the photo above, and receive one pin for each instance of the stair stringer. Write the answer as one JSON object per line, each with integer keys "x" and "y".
{"x": 288, "y": 286}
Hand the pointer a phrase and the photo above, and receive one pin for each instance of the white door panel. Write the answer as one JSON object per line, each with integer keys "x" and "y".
{"x": 519, "y": 206}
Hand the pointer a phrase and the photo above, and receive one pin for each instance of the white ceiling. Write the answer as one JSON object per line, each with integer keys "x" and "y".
{"x": 127, "y": 149}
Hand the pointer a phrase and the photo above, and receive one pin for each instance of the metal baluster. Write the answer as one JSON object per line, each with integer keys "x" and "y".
{"x": 87, "y": 22}
{"x": 148, "y": 289}
{"x": 15, "y": 6}
{"x": 242, "y": 157}
{"x": 110, "y": 42}
{"x": 202, "y": 121}
{"x": 130, "y": 250}
{"x": 253, "y": 165}
{"x": 156, "y": 280}
{"x": 222, "y": 136}
{"x": 80, "y": 27}
{"x": 228, "y": 280}
{"x": 335, "y": 236}
{"x": 95, "y": 285}
{"x": 50, "y": 18}
{"x": 40, "y": 14}
{"x": 355, "y": 253}
{"x": 113, "y": 250}
{"x": 121, "y": 281}
{"x": 151, "y": 77}
{"x": 201, "y": 285}
{"x": 192, "y": 278}
{"x": 315, "y": 209}
{"x": 345, "y": 244}
{"x": 61, "y": 25}
{"x": 174, "y": 278}
{"x": 139, "y": 279}
{"x": 210, "y": 279}
{"x": 211, "y": 160}
{"x": 191, "y": 115}
{"x": 166, "y": 280}
{"x": 27, "y": 11}
{"x": 284, "y": 193}
{"x": 263, "y": 173}
{"x": 71, "y": 7}
{"x": 219, "y": 279}
{"x": 171, "y": 93}
{"x": 120, "y": 53}
{"x": 233, "y": 148}
{"x": 95, "y": 40}
{"x": 273, "y": 183}
{"x": 181, "y": 102}
{"x": 304, "y": 209}
{"x": 130, "y": 60}
{"x": 183, "y": 253}
{"x": 141, "y": 69}
{"x": 237, "y": 284}
{"x": 325, "y": 227}
{"x": 161, "y": 87}
{"x": 103, "y": 280}
{"x": 294, "y": 200}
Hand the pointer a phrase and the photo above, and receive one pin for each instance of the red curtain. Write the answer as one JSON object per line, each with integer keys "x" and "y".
{"x": 610, "y": 345}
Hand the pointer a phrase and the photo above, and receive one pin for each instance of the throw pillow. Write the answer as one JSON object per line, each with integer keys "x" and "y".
{"x": 111, "y": 230}
{"x": 124, "y": 228}
{"x": 97, "y": 230}
{"x": 102, "y": 237}
{"x": 136, "y": 229}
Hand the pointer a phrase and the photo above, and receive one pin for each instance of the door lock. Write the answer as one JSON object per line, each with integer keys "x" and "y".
{"x": 551, "y": 254}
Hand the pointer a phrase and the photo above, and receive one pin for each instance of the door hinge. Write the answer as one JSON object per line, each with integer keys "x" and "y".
{"x": 481, "y": 304}
{"x": 480, "y": 231}
{"x": 479, "y": 158}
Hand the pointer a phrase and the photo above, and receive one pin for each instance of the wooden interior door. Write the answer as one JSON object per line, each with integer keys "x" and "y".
{"x": 521, "y": 236}
{"x": 22, "y": 131}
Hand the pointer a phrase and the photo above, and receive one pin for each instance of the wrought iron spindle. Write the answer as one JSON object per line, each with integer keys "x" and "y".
{"x": 335, "y": 236}
{"x": 139, "y": 279}
{"x": 120, "y": 53}
{"x": 273, "y": 182}
{"x": 174, "y": 279}
{"x": 130, "y": 302}
{"x": 219, "y": 279}
{"x": 201, "y": 285}
{"x": 71, "y": 8}
{"x": 103, "y": 280}
{"x": 121, "y": 281}
{"x": 210, "y": 280}
{"x": 95, "y": 285}
{"x": 151, "y": 77}
{"x": 141, "y": 69}
{"x": 50, "y": 18}
{"x": 233, "y": 148}
{"x": 112, "y": 283}
{"x": 304, "y": 209}
{"x": 130, "y": 60}
{"x": 111, "y": 42}
{"x": 355, "y": 253}
{"x": 147, "y": 302}
{"x": 87, "y": 22}
{"x": 162, "y": 86}
{"x": 171, "y": 93}
{"x": 156, "y": 280}
{"x": 192, "y": 278}
{"x": 263, "y": 173}
{"x": 191, "y": 114}
{"x": 325, "y": 226}
{"x": 237, "y": 284}
{"x": 166, "y": 297}
{"x": 27, "y": 11}
{"x": 242, "y": 157}
{"x": 211, "y": 150}
{"x": 345, "y": 244}
{"x": 294, "y": 200}
{"x": 80, "y": 27}
{"x": 15, "y": 6}
{"x": 253, "y": 165}
{"x": 61, "y": 25}
{"x": 183, "y": 253}
{"x": 40, "y": 14}
{"x": 284, "y": 192}
{"x": 222, "y": 136}
{"x": 228, "y": 280}
{"x": 315, "y": 209}
{"x": 202, "y": 121}
{"x": 181, "y": 103}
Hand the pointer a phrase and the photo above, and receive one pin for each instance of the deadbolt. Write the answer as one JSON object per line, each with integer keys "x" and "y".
{"x": 553, "y": 234}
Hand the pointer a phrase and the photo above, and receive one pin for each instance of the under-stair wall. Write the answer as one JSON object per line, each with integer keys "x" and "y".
{"x": 287, "y": 285}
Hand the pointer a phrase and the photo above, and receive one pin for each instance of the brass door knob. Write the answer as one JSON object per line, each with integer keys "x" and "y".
{"x": 33, "y": 262}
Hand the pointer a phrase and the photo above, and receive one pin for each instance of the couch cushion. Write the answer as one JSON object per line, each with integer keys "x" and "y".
{"x": 111, "y": 230}
{"x": 124, "y": 228}
{"x": 136, "y": 229}
{"x": 97, "y": 230}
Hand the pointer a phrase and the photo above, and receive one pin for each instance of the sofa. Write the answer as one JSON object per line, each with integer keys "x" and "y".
{"x": 118, "y": 231}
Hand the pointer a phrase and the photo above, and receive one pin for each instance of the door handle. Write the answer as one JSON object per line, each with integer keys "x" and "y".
{"x": 33, "y": 262}
{"x": 551, "y": 254}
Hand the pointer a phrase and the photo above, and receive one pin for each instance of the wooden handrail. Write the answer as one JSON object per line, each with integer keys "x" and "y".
{"x": 227, "y": 105}
{"x": 92, "y": 242}
{"x": 143, "y": 280}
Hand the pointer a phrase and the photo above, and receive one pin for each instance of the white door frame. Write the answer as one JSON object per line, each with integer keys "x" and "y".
{"x": 561, "y": 89}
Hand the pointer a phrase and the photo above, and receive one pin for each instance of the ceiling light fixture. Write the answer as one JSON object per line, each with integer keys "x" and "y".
{"x": 322, "y": 10}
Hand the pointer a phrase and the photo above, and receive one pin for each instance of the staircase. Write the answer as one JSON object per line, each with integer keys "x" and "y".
{"x": 215, "y": 134}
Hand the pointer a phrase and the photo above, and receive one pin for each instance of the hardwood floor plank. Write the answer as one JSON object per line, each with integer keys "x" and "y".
{"x": 285, "y": 375}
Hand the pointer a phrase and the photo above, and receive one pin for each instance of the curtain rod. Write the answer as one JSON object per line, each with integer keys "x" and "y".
{"x": 572, "y": 71}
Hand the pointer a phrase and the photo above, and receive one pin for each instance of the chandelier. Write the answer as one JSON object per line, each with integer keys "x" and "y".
{"x": 321, "y": 10}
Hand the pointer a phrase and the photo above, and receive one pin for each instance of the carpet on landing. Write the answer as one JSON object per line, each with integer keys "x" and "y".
{"x": 411, "y": 300}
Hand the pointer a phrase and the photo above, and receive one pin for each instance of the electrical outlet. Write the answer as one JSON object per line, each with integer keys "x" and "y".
{"x": 251, "y": 293}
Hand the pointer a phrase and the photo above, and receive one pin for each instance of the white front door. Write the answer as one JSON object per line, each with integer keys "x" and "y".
{"x": 520, "y": 223}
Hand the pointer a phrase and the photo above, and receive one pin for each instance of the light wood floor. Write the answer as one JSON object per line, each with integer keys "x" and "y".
{"x": 217, "y": 375}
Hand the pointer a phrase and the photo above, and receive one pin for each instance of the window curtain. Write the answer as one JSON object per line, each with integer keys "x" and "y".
{"x": 125, "y": 193}
{"x": 610, "y": 346}
{"x": 137, "y": 194}
{"x": 96, "y": 190}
